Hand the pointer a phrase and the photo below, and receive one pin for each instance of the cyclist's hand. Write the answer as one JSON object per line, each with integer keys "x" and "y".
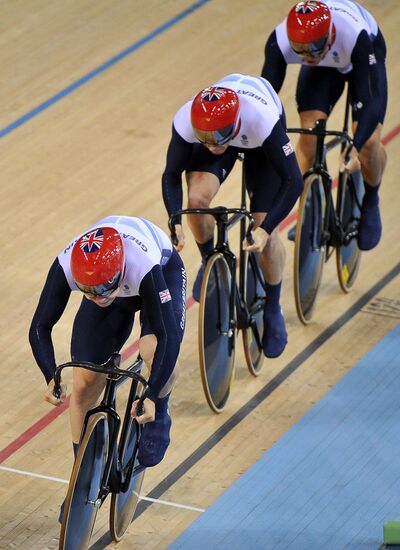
{"x": 51, "y": 398}
{"x": 260, "y": 237}
{"x": 353, "y": 162}
{"x": 149, "y": 413}
{"x": 180, "y": 237}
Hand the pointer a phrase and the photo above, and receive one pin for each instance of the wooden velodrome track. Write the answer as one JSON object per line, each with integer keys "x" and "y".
{"x": 84, "y": 138}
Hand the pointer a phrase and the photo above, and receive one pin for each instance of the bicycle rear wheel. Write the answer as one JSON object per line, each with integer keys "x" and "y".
{"x": 82, "y": 502}
{"x": 254, "y": 297}
{"x": 309, "y": 247}
{"x": 348, "y": 256}
{"x": 123, "y": 504}
{"x": 216, "y": 335}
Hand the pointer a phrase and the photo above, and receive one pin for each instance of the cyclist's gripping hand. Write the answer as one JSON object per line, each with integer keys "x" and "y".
{"x": 51, "y": 398}
{"x": 180, "y": 238}
{"x": 260, "y": 237}
{"x": 149, "y": 413}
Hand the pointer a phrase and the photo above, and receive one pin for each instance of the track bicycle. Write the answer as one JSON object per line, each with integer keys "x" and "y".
{"x": 103, "y": 463}
{"x": 227, "y": 304}
{"x": 324, "y": 226}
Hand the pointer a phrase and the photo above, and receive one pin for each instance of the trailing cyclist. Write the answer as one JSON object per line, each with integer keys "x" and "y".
{"x": 337, "y": 41}
{"x": 239, "y": 113}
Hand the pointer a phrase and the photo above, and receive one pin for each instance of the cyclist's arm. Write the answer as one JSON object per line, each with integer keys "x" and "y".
{"x": 52, "y": 303}
{"x": 279, "y": 150}
{"x": 163, "y": 324}
{"x": 366, "y": 88}
{"x": 178, "y": 154}
{"x": 274, "y": 68}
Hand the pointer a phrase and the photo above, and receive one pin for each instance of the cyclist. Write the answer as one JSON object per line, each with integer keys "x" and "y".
{"x": 238, "y": 113}
{"x": 337, "y": 41}
{"x": 121, "y": 265}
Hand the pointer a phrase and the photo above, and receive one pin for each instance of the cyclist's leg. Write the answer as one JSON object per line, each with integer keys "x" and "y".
{"x": 265, "y": 186}
{"x": 97, "y": 332}
{"x": 155, "y": 438}
{"x": 372, "y": 158}
{"x": 318, "y": 90}
{"x": 204, "y": 175}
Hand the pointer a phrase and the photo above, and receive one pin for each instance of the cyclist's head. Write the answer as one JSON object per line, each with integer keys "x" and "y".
{"x": 309, "y": 28}
{"x": 97, "y": 261}
{"x": 215, "y": 115}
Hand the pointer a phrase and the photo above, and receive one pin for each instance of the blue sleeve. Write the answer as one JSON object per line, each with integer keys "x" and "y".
{"x": 163, "y": 324}
{"x": 274, "y": 68}
{"x": 365, "y": 85}
{"x": 52, "y": 303}
{"x": 178, "y": 156}
{"x": 276, "y": 147}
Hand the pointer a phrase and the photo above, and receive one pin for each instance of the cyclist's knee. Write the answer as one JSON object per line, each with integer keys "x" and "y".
{"x": 87, "y": 386}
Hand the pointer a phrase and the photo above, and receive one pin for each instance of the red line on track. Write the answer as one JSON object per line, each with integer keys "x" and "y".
{"x": 42, "y": 423}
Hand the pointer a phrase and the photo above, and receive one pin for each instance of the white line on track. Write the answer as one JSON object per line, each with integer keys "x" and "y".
{"x": 66, "y": 481}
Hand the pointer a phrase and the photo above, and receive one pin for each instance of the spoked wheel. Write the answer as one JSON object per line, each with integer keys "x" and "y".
{"x": 309, "y": 247}
{"x": 124, "y": 503}
{"x": 82, "y": 502}
{"x": 216, "y": 333}
{"x": 348, "y": 256}
{"x": 254, "y": 297}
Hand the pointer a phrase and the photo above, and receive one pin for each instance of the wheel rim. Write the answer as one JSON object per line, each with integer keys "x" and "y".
{"x": 348, "y": 256}
{"x": 80, "y": 511}
{"x": 254, "y": 295}
{"x": 309, "y": 253}
{"x": 123, "y": 504}
{"x": 216, "y": 337}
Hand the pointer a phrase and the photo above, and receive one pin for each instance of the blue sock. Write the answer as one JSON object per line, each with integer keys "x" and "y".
{"x": 371, "y": 194}
{"x": 273, "y": 295}
{"x": 206, "y": 248}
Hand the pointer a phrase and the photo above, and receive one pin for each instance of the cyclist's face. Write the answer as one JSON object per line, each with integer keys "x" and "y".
{"x": 102, "y": 301}
{"x": 216, "y": 149}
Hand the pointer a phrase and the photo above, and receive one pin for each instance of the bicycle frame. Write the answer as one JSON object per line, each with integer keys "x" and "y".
{"x": 331, "y": 233}
{"x": 113, "y": 473}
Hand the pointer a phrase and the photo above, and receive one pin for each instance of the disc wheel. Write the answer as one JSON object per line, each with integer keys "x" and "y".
{"x": 254, "y": 297}
{"x": 123, "y": 504}
{"x": 82, "y": 502}
{"x": 348, "y": 256}
{"x": 309, "y": 247}
{"x": 216, "y": 333}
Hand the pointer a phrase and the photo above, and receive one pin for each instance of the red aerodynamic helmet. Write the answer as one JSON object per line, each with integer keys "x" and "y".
{"x": 215, "y": 115}
{"x": 309, "y": 26}
{"x": 97, "y": 261}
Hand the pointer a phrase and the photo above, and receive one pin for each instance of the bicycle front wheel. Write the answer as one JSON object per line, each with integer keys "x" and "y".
{"x": 348, "y": 255}
{"x": 216, "y": 332}
{"x": 82, "y": 502}
{"x": 254, "y": 297}
{"x": 309, "y": 247}
{"x": 123, "y": 504}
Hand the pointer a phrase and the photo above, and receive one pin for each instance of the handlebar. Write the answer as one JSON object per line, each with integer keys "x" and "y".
{"x": 319, "y": 130}
{"x": 109, "y": 367}
{"x": 220, "y": 214}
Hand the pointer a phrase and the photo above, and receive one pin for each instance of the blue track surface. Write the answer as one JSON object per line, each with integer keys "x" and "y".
{"x": 330, "y": 482}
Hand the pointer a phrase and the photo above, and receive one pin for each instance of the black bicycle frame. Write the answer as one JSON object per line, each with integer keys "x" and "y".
{"x": 115, "y": 377}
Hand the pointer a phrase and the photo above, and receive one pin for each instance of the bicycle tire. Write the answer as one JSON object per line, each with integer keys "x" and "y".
{"x": 216, "y": 337}
{"x": 123, "y": 504}
{"x": 82, "y": 503}
{"x": 309, "y": 247}
{"x": 348, "y": 256}
{"x": 254, "y": 297}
